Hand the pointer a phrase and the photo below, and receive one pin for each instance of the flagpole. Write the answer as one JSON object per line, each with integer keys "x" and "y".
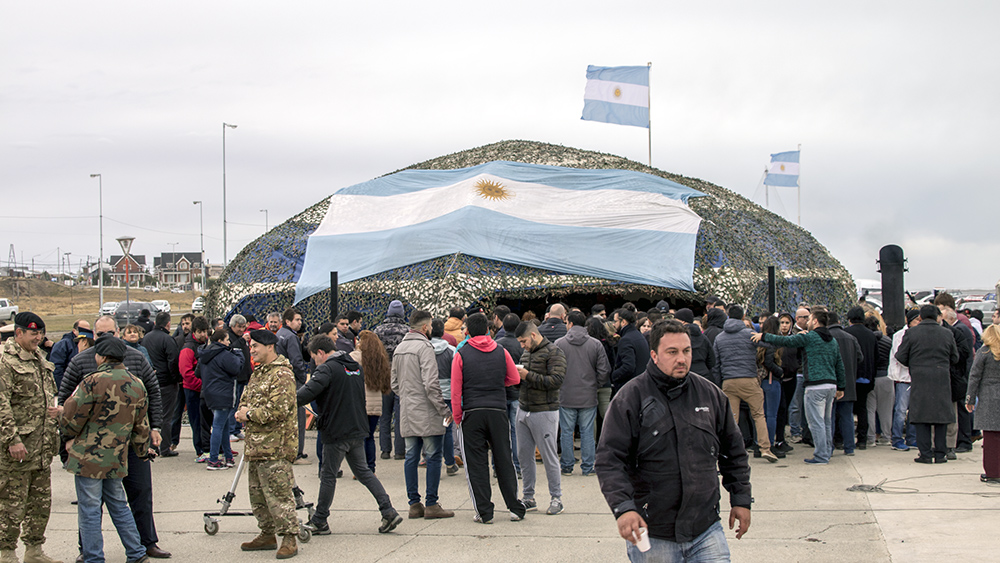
{"x": 649, "y": 128}
{"x": 799, "y": 185}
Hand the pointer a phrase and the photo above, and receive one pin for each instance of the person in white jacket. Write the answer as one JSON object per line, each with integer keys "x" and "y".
{"x": 904, "y": 436}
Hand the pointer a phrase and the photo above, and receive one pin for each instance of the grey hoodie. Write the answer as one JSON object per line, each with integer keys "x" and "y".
{"x": 443, "y": 353}
{"x": 587, "y": 368}
{"x": 735, "y": 353}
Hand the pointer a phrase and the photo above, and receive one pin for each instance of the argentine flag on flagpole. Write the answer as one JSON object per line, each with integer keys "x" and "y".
{"x": 783, "y": 170}
{"x": 617, "y": 94}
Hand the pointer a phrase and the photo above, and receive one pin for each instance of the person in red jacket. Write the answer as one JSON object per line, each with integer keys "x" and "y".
{"x": 191, "y": 381}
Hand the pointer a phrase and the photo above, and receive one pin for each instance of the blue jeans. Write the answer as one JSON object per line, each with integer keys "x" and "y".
{"x": 844, "y": 413}
{"x": 370, "y": 442}
{"x": 448, "y": 449}
{"x": 795, "y": 407}
{"x": 414, "y": 445}
{"x": 568, "y": 419}
{"x": 772, "y": 400}
{"x": 512, "y": 417}
{"x": 818, "y": 406}
{"x": 709, "y": 547}
{"x": 193, "y": 400}
{"x": 903, "y": 434}
{"x": 221, "y": 425}
{"x": 90, "y": 493}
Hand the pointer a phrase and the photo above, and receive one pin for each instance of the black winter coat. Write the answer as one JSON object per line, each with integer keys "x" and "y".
{"x": 219, "y": 367}
{"x": 546, "y": 366}
{"x": 238, "y": 343}
{"x": 163, "y": 351}
{"x": 850, "y": 352}
{"x": 960, "y": 371}
{"x": 715, "y": 322}
{"x": 338, "y": 387}
{"x": 929, "y": 350}
{"x": 84, "y": 364}
{"x": 702, "y": 354}
{"x": 631, "y": 357}
{"x": 869, "y": 350}
{"x": 660, "y": 448}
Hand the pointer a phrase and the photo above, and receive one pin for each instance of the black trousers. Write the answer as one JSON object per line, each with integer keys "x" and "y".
{"x": 940, "y": 448}
{"x": 483, "y": 431}
{"x": 168, "y": 396}
{"x": 964, "y": 440}
{"x": 787, "y": 392}
{"x": 861, "y": 410}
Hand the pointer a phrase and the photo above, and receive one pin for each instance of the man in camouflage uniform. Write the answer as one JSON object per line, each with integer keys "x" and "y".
{"x": 29, "y": 437}
{"x": 105, "y": 415}
{"x": 267, "y": 411}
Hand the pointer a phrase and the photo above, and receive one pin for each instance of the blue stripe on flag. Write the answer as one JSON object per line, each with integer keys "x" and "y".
{"x": 782, "y": 180}
{"x": 627, "y": 74}
{"x": 789, "y": 156}
{"x": 661, "y": 259}
{"x": 408, "y": 181}
{"x": 621, "y": 114}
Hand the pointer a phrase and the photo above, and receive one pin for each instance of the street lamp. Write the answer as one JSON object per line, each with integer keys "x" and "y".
{"x": 201, "y": 229}
{"x": 264, "y": 211}
{"x": 225, "y": 254}
{"x": 126, "y": 244}
{"x": 100, "y": 265}
{"x": 69, "y": 265}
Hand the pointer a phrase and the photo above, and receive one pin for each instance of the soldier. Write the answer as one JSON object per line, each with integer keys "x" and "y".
{"x": 29, "y": 436}
{"x": 267, "y": 411}
{"x": 105, "y": 415}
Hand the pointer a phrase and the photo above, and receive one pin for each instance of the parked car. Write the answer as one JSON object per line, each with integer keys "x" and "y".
{"x": 128, "y": 312}
{"x": 8, "y": 310}
{"x": 109, "y": 308}
{"x": 198, "y": 306}
{"x": 987, "y": 307}
{"x": 176, "y": 290}
{"x": 162, "y": 305}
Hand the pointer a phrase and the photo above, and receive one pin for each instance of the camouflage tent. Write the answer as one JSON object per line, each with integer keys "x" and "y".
{"x": 736, "y": 243}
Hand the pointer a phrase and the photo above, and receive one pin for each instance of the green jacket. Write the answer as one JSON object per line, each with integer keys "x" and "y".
{"x": 272, "y": 431}
{"x": 546, "y": 366}
{"x": 26, "y": 389}
{"x": 104, "y": 416}
{"x": 825, "y": 365}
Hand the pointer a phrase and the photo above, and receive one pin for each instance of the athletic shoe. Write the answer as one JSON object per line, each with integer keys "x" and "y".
{"x": 477, "y": 518}
{"x": 530, "y": 504}
{"x": 452, "y": 469}
{"x": 567, "y": 471}
{"x": 389, "y": 524}
{"x": 238, "y": 437}
{"x": 901, "y": 447}
{"x": 555, "y": 507}
{"x": 230, "y": 462}
{"x": 814, "y": 461}
{"x": 203, "y": 458}
{"x": 317, "y": 528}
{"x": 216, "y": 465}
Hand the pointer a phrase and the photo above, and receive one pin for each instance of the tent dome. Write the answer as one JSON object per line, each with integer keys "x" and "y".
{"x": 735, "y": 243}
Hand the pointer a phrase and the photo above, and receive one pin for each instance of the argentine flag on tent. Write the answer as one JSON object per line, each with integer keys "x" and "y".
{"x": 617, "y": 94}
{"x": 612, "y": 224}
{"x": 783, "y": 170}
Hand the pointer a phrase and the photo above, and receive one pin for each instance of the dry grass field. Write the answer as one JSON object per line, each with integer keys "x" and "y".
{"x": 60, "y": 306}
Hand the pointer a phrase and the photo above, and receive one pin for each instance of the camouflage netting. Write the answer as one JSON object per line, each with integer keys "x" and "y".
{"x": 737, "y": 241}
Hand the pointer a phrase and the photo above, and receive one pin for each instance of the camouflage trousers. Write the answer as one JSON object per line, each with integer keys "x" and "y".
{"x": 271, "y": 498}
{"x": 25, "y": 504}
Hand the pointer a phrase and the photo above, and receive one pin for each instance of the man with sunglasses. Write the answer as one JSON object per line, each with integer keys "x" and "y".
{"x": 139, "y": 482}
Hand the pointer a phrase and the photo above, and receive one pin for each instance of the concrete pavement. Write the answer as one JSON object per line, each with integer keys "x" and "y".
{"x": 801, "y": 513}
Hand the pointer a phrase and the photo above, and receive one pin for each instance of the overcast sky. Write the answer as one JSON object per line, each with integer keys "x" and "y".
{"x": 894, "y": 103}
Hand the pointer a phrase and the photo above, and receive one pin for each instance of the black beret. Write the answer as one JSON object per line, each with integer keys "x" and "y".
{"x": 29, "y": 321}
{"x": 265, "y": 337}
{"x": 111, "y": 347}
{"x": 685, "y": 314}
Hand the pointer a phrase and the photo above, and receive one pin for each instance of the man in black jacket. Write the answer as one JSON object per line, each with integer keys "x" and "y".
{"x": 338, "y": 386}
{"x": 237, "y": 326}
{"x": 139, "y": 482}
{"x": 163, "y": 351}
{"x": 554, "y": 326}
{"x": 290, "y": 347}
{"x": 666, "y": 435}
{"x": 865, "y": 380}
{"x": 513, "y": 347}
{"x": 633, "y": 349}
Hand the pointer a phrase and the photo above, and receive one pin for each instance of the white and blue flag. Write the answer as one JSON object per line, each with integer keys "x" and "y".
{"x": 617, "y": 94}
{"x": 612, "y": 224}
{"x": 783, "y": 170}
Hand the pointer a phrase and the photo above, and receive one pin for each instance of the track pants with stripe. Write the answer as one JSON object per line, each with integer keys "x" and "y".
{"x": 483, "y": 431}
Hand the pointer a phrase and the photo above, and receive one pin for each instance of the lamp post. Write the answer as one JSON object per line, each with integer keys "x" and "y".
{"x": 225, "y": 254}
{"x": 126, "y": 244}
{"x": 100, "y": 264}
{"x": 201, "y": 229}
{"x": 264, "y": 211}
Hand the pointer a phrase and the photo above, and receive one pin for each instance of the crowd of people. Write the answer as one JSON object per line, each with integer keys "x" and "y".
{"x": 476, "y": 390}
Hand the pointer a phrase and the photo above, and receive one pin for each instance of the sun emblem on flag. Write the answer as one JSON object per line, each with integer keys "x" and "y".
{"x": 492, "y": 190}
{"x": 618, "y": 92}
{"x": 782, "y": 167}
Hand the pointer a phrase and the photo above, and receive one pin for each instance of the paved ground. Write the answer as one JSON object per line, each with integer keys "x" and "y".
{"x": 801, "y": 513}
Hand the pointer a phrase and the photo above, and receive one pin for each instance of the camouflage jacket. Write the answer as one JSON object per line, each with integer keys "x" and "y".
{"x": 272, "y": 428}
{"x": 104, "y": 416}
{"x": 26, "y": 389}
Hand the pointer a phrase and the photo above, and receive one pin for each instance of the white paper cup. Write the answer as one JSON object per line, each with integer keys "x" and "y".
{"x": 643, "y": 540}
{"x": 445, "y": 422}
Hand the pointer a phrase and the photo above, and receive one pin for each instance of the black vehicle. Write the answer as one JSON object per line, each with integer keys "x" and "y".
{"x": 127, "y": 314}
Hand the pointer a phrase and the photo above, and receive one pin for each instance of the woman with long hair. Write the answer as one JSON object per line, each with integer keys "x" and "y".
{"x": 983, "y": 397}
{"x": 769, "y": 373}
{"x": 370, "y": 353}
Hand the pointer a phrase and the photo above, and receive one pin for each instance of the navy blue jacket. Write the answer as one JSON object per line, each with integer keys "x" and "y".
{"x": 632, "y": 356}
{"x": 220, "y": 366}
{"x": 62, "y": 352}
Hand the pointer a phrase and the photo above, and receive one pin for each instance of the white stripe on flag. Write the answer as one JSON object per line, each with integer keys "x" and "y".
{"x": 617, "y": 93}
{"x": 791, "y": 168}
